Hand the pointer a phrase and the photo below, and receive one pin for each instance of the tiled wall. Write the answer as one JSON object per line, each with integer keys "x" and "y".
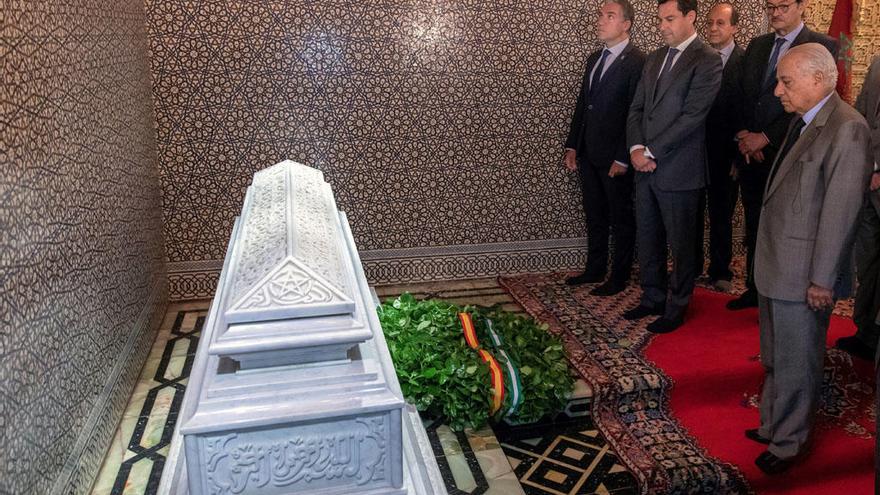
{"x": 438, "y": 123}
{"x": 82, "y": 276}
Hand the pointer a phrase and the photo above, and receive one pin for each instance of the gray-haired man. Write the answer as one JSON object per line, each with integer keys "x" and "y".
{"x": 808, "y": 219}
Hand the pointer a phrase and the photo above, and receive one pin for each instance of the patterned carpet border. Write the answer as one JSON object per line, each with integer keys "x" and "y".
{"x": 630, "y": 393}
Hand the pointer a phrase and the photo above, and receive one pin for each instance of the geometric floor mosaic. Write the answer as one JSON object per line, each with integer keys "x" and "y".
{"x": 133, "y": 464}
{"x": 565, "y": 456}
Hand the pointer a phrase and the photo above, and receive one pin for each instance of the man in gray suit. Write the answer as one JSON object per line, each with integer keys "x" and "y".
{"x": 808, "y": 221}
{"x": 867, "y": 249}
{"x": 666, "y": 133}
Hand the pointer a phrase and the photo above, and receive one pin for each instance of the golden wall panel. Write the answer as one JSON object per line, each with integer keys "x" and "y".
{"x": 867, "y": 32}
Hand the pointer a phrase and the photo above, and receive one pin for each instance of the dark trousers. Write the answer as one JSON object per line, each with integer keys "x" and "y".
{"x": 721, "y": 194}
{"x": 608, "y": 206}
{"x": 666, "y": 217}
{"x": 752, "y": 181}
{"x": 867, "y": 255}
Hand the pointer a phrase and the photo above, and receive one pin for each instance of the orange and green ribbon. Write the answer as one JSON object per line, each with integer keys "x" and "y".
{"x": 470, "y": 335}
{"x": 516, "y": 395}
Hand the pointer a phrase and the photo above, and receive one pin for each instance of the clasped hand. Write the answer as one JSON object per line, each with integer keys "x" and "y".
{"x": 641, "y": 162}
{"x": 751, "y": 145}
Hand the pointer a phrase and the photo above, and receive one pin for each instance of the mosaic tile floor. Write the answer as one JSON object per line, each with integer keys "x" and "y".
{"x": 565, "y": 456}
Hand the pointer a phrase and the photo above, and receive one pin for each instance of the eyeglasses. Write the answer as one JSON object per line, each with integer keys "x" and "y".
{"x": 782, "y": 8}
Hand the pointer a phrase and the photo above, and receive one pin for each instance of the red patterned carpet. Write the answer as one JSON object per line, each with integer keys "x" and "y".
{"x": 675, "y": 406}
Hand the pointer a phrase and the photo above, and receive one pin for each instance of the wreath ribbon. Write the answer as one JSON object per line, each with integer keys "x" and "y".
{"x": 470, "y": 336}
{"x": 516, "y": 396}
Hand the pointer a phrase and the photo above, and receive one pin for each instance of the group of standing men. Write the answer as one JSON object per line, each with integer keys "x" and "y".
{"x": 656, "y": 138}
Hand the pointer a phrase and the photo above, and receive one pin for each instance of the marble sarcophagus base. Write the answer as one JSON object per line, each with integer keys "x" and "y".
{"x": 293, "y": 390}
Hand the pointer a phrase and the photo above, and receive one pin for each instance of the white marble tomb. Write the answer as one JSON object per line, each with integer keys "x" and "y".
{"x": 293, "y": 390}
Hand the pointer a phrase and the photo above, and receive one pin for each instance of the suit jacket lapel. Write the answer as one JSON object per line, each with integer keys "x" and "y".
{"x": 802, "y": 36}
{"x": 592, "y": 60}
{"x": 652, "y": 73}
{"x": 615, "y": 65}
{"x": 680, "y": 65}
{"x": 809, "y": 135}
{"x": 763, "y": 53}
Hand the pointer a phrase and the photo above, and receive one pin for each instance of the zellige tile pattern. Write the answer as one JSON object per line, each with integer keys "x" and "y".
{"x": 439, "y": 124}
{"x": 82, "y": 277}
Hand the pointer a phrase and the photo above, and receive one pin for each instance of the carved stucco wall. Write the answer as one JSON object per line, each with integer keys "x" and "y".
{"x": 439, "y": 124}
{"x": 866, "y": 43}
{"x": 82, "y": 279}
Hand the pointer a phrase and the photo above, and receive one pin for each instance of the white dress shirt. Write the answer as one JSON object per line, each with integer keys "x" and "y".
{"x": 725, "y": 53}
{"x": 613, "y": 53}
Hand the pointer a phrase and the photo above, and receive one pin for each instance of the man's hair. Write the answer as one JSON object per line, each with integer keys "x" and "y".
{"x": 684, "y": 6}
{"x": 734, "y": 13}
{"x": 625, "y": 7}
{"x": 815, "y": 59}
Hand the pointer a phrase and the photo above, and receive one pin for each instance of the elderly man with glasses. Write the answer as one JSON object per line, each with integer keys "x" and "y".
{"x": 762, "y": 121}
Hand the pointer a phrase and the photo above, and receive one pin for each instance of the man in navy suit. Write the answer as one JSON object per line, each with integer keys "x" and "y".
{"x": 596, "y": 148}
{"x": 763, "y": 122}
{"x": 666, "y": 131}
{"x": 722, "y": 24}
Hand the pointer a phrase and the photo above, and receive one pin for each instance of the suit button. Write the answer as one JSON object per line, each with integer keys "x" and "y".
{"x": 589, "y": 107}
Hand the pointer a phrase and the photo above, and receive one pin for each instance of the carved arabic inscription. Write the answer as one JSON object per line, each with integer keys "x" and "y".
{"x": 354, "y": 453}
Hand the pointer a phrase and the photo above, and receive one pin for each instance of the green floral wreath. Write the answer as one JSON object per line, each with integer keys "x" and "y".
{"x": 445, "y": 378}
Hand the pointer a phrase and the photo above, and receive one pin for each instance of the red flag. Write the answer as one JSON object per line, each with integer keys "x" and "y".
{"x": 841, "y": 29}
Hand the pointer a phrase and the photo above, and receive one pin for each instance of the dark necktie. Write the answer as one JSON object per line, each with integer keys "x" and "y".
{"x": 793, "y": 134}
{"x": 774, "y": 57}
{"x": 667, "y": 66}
{"x": 597, "y": 74}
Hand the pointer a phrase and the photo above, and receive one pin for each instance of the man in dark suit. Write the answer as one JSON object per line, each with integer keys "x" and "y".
{"x": 762, "y": 121}
{"x": 596, "y": 147}
{"x": 722, "y": 24}
{"x": 666, "y": 131}
{"x": 804, "y": 246}
{"x": 866, "y": 311}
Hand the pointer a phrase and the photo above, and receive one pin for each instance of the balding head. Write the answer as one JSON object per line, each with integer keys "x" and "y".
{"x": 806, "y": 74}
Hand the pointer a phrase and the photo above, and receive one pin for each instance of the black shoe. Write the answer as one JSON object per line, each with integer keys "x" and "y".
{"x": 588, "y": 277}
{"x": 640, "y": 312}
{"x": 855, "y": 348}
{"x": 756, "y": 437}
{"x": 664, "y": 325}
{"x": 609, "y": 288}
{"x": 749, "y": 299}
{"x": 771, "y": 464}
